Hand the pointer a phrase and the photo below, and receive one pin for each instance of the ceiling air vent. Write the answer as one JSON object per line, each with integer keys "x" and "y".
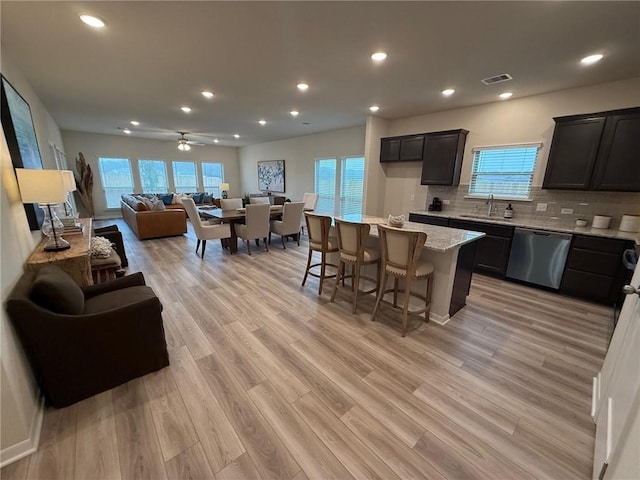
{"x": 503, "y": 77}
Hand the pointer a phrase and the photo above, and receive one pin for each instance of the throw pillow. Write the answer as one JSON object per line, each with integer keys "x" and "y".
{"x": 157, "y": 204}
{"x": 54, "y": 290}
{"x": 100, "y": 247}
{"x": 177, "y": 199}
{"x": 207, "y": 199}
{"x": 197, "y": 197}
{"x": 147, "y": 202}
{"x": 167, "y": 198}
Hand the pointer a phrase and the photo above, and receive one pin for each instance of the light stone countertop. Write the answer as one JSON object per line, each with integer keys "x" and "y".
{"x": 542, "y": 225}
{"x": 439, "y": 239}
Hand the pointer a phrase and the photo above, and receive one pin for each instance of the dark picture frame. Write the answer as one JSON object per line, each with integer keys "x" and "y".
{"x": 271, "y": 176}
{"x": 22, "y": 142}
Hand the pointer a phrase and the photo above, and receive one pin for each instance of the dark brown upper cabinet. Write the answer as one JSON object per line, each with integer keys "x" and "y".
{"x": 597, "y": 151}
{"x": 442, "y": 157}
{"x": 407, "y": 148}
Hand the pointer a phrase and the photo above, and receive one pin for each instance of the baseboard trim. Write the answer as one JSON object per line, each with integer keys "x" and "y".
{"x": 439, "y": 319}
{"x": 30, "y": 445}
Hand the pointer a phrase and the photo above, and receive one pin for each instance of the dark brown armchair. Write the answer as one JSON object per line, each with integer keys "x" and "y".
{"x": 84, "y": 340}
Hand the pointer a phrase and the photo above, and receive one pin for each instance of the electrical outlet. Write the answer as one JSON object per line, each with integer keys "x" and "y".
{"x": 412, "y": 197}
{"x": 541, "y": 207}
{"x": 567, "y": 211}
{"x": 446, "y": 202}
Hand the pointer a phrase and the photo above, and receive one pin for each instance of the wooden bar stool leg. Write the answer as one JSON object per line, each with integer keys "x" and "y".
{"x": 306, "y": 272}
{"x": 381, "y": 290}
{"x": 355, "y": 282}
{"x": 323, "y": 267}
{"x": 339, "y": 274}
{"x": 405, "y": 309}
{"x": 428, "y": 298}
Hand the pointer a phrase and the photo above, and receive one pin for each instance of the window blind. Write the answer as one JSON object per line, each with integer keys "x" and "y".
{"x": 506, "y": 171}
{"x": 153, "y": 176}
{"x": 184, "y": 177}
{"x": 116, "y": 178}
{"x": 325, "y": 185}
{"x": 351, "y": 185}
{"x": 212, "y": 177}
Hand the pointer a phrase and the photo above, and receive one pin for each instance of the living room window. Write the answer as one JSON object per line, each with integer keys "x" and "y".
{"x": 116, "y": 178}
{"x": 339, "y": 189}
{"x": 153, "y": 176}
{"x": 184, "y": 177}
{"x": 505, "y": 171}
{"x": 212, "y": 177}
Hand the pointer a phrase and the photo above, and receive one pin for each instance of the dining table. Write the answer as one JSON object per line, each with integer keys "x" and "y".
{"x": 232, "y": 217}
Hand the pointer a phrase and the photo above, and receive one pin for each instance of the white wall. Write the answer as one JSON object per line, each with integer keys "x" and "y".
{"x": 528, "y": 119}
{"x": 94, "y": 145}
{"x": 299, "y": 155}
{"x": 20, "y": 408}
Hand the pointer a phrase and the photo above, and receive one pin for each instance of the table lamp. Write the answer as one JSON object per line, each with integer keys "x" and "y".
{"x": 225, "y": 188}
{"x": 47, "y": 188}
{"x": 69, "y": 187}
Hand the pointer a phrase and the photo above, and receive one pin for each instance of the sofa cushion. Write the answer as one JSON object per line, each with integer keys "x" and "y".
{"x": 118, "y": 298}
{"x": 134, "y": 202}
{"x": 54, "y": 290}
{"x": 167, "y": 198}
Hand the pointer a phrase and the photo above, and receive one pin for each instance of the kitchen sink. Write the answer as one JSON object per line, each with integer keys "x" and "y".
{"x": 483, "y": 217}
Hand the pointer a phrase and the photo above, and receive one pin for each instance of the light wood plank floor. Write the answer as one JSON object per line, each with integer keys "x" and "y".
{"x": 270, "y": 380}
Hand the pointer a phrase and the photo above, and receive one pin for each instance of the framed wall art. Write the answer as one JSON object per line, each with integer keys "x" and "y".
{"x": 271, "y": 176}
{"x": 20, "y": 135}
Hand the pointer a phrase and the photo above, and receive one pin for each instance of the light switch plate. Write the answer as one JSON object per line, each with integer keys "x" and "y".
{"x": 541, "y": 207}
{"x": 446, "y": 202}
{"x": 567, "y": 211}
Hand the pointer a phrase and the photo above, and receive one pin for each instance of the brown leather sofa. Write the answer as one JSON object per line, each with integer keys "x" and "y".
{"x": 147, "y": 223}
{"x": 81, "y": 341}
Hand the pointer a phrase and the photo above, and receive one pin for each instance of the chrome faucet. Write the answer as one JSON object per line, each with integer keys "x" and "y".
{"x": 491, "y": 206}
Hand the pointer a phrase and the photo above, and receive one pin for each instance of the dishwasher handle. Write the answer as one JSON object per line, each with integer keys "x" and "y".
{"x": 542, "y": 233}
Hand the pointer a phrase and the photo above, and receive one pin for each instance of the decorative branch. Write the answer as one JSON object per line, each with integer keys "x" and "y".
{"x": 84, "y": 184}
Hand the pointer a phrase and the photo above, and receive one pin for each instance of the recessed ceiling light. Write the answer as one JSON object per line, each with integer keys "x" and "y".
{"x": 505, "y": 95}
{"x": 374, "y": 108}
{"x": 303, "y": 86}
{"x": 185, "y": 109}
{"x": 378, "y": 56}
{"x": 236, "y": 135}
{"x": 294, "y": 113}
{"x": 448, "y": 92}
{"x": 127, "y": 131}
{"x": 208, "y": 94}
{"x": 92, "y": 21}
{"x": 262, "y": 122}
{"x": 591, "y": 59}
{"x": 135, "y": 122}
{"x": 215, "y": 140}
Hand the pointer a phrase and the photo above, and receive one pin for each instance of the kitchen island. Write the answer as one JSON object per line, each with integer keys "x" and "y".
{"x": 451, "y": 251}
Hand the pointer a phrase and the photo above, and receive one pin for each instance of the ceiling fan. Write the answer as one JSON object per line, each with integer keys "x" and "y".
{"x": 184, "y": 144}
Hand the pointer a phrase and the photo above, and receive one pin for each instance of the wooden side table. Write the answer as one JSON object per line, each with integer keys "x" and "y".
{"x": 75, "y": 260}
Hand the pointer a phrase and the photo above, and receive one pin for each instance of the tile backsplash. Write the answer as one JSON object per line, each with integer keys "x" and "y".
{"x": 584, "y": 204}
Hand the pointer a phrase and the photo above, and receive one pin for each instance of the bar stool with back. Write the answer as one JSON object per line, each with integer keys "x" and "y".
{"x": 351, "y": 236}
{"x": 401, "y": 259}
{"x": 318, "y": 227}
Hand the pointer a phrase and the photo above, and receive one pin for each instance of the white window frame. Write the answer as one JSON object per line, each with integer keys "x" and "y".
{"x": 213, "y": 190}
{"x": 338, "y": 195}
{"x": 509, "y": 193}
{"x": 166, "y": 174}
{"x": 105, "y": 189}
{"x": 195, "y": 174}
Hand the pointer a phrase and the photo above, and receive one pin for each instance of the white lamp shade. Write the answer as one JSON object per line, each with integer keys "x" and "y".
{"x": 41, "y": 186}
{"x": 224, "y": 186}
{"x": 69, "y": 181}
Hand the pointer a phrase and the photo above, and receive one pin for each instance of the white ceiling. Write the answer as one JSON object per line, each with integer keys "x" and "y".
{"x": 155, "y": 56}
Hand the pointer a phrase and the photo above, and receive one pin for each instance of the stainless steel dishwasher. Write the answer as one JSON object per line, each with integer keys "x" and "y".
{"x": 538, "y": 256}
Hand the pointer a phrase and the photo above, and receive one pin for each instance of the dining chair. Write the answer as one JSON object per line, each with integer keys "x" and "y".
{"x": 319, "y": 227}
{"x": 259, "y": 200}
{"x": 230, "y": 203}
{"x": 290, "y": 223}
{"x": 202, "y": 230}
{"x": 310, "y": 203}
{"x": 351, "y": 237}
{"x": 256, "y": 225}
{"x": 401, "y": 260}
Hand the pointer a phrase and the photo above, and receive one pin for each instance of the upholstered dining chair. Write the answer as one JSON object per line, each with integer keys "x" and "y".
{"x": 256, "y": 225}
{"x": 353, "y": 252}
{"x": 401, "y": 260}
{"x": 202, "y": 230}
{"x": 310, "y": 203}
{"x": 259, "y": 200}
{"x": 290, "y": 223}
{"x": 230, "y": 203}
{"x": 319, "y": 227}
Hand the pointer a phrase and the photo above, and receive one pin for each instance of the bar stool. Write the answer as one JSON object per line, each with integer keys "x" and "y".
{"x": 353, "y": 252}
{"x": 401, "y": 259}
{"x": 318, "y": 227}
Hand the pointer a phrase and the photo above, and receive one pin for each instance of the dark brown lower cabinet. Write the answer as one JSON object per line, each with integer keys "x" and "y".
{"x": 492, "y": 251}
{"x": 594, "y": 268}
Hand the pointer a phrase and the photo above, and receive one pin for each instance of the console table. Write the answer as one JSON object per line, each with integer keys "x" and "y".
{"x": 75, "y": 260}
